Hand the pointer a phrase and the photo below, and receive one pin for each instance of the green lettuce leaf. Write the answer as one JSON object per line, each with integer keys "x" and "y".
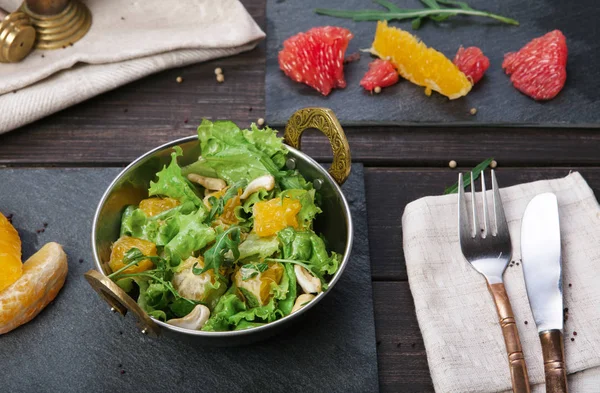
{"x": 228, "y": 305}
{"x": 309, "y": 209}
{"x": 307, "y": 247}
{"x": 192, "y": 236}
{"x": 268, "y": 313}
{"x": 266, "y": 141}
{"x": 290, "y": 180}
{"x": 257, "y": 247}
{"x": 228, "y": 152}
{"x": 247, "y": 325}
{"x": 171, "y": 183}
{"x": 231, "y": 312}
{"x": 286, "y": 292}
{"x": 159, "y": 229}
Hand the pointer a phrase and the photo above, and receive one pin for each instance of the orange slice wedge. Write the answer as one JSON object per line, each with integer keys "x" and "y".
{"x": 43, "y": 276}
{"x": 419, "y": 64}
{"x": 11, "y": 267}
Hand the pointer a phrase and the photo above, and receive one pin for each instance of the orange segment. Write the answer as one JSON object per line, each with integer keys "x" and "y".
{"x": 43, "y": 276}
{"x": 260, "y": 285}
{"x": 126, "y": 243}
{"x": 11, "y": 267}
{"x": 274, "y": 215}
{"x": 153, "y": 206}
{"x": 419, "y": 64}
{"x": 228, "y": 216}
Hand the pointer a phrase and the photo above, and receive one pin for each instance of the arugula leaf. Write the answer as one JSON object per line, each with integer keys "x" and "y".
{"x": 217, "y": 205}
{"x": 171, "y": 182}
{"x": 193, "y": 235}
{"x": 134, "y": 256}
{"x": 251, "y": 299}
{"x": 434, "y": 10}
{"x": 228, "y": 240}
{"x": 182, "y": 307}
{"x": 467, "y": 179}
{"x": 251, "y": 270}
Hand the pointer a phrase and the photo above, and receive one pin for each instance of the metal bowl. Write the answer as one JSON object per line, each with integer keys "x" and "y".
{"x": 131, "y": 186}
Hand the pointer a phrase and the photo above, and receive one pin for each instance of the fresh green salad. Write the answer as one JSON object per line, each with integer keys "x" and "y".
{"x": 226, "y": 243}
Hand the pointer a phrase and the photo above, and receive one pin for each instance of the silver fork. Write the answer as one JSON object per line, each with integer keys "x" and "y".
{"x": 488, "y": 250}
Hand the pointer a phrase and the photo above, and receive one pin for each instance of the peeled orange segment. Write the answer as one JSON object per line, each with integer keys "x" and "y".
{"x": 11, "y": 267}
{"x": 153, "y": 206}
{"x": 419, "y": 64}
{"x": 260, "y": 285}
{"x": 43, "y": 276}
{"x": 126, "y": 243}
{"x": 274, "y": 215}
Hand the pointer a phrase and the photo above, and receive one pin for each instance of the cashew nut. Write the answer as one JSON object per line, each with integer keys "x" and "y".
{"x": 308, "y": 282}
{"x": 267, "y": 182}
{"x": 301, "y": 301}
{"x": 194, "y": 320}
{"x": 210, "y": 183}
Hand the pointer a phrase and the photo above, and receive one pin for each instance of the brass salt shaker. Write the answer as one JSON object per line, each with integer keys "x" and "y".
{"x": 17, "y": 36}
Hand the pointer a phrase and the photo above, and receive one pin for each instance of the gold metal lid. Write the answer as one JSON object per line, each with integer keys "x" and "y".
{"x": 62, "y": 29}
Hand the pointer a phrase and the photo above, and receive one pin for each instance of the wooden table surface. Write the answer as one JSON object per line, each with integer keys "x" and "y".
{"x": 402, "y": 164}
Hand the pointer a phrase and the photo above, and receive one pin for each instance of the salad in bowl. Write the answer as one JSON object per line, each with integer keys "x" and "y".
{"x": 227, "y": 242}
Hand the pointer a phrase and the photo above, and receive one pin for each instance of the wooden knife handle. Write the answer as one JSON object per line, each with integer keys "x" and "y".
{"x": 518, "y": 368}
{"x": 553, "y": 350}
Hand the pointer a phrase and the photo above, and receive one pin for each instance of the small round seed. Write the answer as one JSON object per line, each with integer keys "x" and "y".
{"x": 452, "y": 164}
{"x": 179, "y": 79}
{"x": 473, "y": 111}
{"x": 218, "y": 71}
{"x": 220, "y": 78}
{"x": 377, "y": 89}
{"x": 493, "y": 164}
{"x": 260, "y": 121}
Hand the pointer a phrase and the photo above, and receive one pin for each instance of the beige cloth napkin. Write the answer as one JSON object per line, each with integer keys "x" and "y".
{"x": 457, "y": 316}
{"x": 128, "y": 40}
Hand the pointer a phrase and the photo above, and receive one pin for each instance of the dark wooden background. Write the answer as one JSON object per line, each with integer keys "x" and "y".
{"x": 402, "y": 164}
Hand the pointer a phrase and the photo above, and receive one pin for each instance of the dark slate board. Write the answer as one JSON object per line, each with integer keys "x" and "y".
{"x": 77, "y": 345}
{"x": 497, "y": 102}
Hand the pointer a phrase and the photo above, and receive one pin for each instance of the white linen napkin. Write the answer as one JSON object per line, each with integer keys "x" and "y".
{"x": 127, "y": 41}
{"x": 456, "y": 313}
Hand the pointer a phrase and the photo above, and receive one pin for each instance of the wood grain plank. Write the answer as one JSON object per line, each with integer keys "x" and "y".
{"x": 390, "y": 189}
{"x": 400, "y": 350}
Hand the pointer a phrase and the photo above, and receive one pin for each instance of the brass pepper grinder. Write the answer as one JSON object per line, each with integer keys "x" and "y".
{"x": 17, "y": 36}
{"x": 58, "y": 23}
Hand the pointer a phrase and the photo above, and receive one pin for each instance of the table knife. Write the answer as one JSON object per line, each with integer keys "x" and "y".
{"x": 541, "y": 260}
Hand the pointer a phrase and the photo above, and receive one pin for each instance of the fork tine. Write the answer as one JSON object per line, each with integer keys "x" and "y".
{"x": 499, "y": 217}
{"x": 486, "y": 216}
{"x": 475, "y": 226}
{"x": 463, "y": 214}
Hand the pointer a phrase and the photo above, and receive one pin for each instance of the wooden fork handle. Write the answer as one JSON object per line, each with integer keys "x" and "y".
{"x": 518, "y": 368}
{"x": 553, "y": 350}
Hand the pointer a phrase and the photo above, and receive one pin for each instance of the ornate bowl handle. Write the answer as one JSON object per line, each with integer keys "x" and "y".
{"x": 121, "y": 302}
{"x": 322, "y": 119}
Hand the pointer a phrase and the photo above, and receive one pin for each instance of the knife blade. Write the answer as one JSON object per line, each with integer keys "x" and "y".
{"x": 542, "y": 270}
